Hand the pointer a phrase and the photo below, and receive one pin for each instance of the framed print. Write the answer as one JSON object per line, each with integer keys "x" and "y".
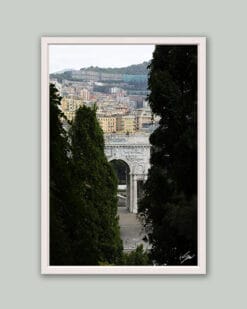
{"x": 123, "y": 155}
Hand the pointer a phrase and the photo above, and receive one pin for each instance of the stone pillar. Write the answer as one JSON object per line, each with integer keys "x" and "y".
{"x": 130, "y": 193}
{"x": 134, "y": 202}
{"x": 133, "y": 194}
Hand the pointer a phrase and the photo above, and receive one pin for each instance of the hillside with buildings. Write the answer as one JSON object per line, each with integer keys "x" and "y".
{"x": 135, "y": 74}
{"x": 120, "y": 98}
{"x": 134, "y": 69}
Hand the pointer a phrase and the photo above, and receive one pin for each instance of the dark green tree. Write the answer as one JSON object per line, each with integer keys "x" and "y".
{"x": 60, "y": 246}
{"x": 169, "y": 206}
{"x": 96, "y": 237}
{"x": 136, "y": 257}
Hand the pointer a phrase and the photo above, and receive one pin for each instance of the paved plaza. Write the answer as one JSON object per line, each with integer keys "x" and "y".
{"x": 130, "y": 229}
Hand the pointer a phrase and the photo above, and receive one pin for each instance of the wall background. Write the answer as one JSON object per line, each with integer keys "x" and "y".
{"x": 22, "y": 25}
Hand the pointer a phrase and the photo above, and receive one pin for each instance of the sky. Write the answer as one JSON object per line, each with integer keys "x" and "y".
{"x": 78, "y": 56}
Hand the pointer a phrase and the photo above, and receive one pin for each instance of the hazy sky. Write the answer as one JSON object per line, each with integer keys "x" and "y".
{"x": 78, "y": 56}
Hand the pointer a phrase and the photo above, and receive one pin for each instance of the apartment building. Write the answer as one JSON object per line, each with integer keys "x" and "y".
{"x": 85, "y": 94}
{"x": 126, "y": 124}
{"x": 108, "y": 124}
{"x": 69, "y": 105}
{"x": 143, "y": 117}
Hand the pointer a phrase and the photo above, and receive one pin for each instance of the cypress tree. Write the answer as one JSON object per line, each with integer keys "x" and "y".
{"x": 97, "y": 236}
{"x": 60, "y": 246}
{"x": 169, "y": 206}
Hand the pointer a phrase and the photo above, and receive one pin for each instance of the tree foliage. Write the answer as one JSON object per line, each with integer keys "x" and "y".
{"x": 60, "y": 183}
{"x": 136, "y": 257}
{"x": 97, "y": 237}
{"x": 83, "y": 192}
{"x": 169, "y": 206}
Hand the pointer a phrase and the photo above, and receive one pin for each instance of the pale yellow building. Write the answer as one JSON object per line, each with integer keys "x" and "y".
{"x": 119, "y": 125}
{"x": 129, "y": 124}
{"x": 108, "y": 124}
{"x": 126, "y": 124}
{"x": 69, "y": 105}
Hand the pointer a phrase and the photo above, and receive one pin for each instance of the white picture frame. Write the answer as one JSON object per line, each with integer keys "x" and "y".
{"x": 47, "y": 269}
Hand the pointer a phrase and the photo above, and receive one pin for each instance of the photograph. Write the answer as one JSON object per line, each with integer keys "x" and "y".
{"x": 123, "y": 162}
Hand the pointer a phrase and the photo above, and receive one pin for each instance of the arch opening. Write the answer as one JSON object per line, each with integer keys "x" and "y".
{"x": 122, "y": 171}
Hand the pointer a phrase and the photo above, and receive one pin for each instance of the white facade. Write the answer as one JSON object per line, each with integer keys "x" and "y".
{"x": 134, "y": 150}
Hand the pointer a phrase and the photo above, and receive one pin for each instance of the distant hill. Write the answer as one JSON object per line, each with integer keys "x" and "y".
{"x": 134, "y": 69}
{"x": 63, "y": 71}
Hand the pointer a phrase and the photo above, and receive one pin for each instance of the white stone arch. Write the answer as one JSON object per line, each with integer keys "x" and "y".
{"x": 112, "y": 158}
{"x": 135, "y": 152}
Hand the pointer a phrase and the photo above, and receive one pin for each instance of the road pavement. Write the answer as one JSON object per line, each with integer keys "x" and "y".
{"x": 131, "y": 230}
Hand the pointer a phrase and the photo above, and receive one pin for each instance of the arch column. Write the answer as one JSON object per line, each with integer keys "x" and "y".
{"x": 128, "y": 191}
{"x": 133, "y": 193}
